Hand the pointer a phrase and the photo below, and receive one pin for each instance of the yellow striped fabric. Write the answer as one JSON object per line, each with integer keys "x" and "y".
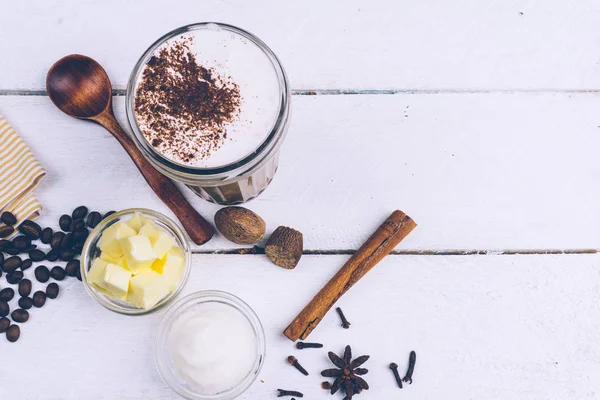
{"x": 20, "y": 173}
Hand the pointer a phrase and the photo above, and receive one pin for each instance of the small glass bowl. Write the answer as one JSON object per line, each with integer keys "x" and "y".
{"x": 165, "y": 365}
{"x": 91, "y": 251}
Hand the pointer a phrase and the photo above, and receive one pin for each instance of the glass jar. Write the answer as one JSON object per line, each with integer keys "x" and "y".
{"x": 238, "y": 181}
{"x": 91, "y": 251}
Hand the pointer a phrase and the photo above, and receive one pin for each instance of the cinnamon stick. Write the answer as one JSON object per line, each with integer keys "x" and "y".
{"x": 395, "y": 228}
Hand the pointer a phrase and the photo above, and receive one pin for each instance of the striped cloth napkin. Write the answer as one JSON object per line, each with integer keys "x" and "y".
{"x": 20, "y": 173}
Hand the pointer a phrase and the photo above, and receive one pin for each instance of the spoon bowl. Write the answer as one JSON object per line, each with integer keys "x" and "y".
{"x": 79, "y": 86}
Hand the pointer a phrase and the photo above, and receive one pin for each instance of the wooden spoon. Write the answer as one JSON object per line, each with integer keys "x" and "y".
{"x": 80, "y": 87}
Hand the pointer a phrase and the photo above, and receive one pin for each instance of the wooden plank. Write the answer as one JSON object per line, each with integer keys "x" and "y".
{"x": 347, "y": 44}
{"x": 486, "y": 172}
{"x": 485, "y": 327}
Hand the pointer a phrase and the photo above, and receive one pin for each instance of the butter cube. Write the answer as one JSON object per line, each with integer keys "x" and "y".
{"x": 171, "y": 267}
{"x": 109, "y": 242}
{"x": 136, "y": 221}
{"x": 138, "y": 252}
{"x": 96, "y": 271}
{"x": 150, "y": 230}
{"x": 162, "y": 244}
{"x": 113, "y": 260}
{"x": 115, "y": 279}
{"x": 147, "y": 288}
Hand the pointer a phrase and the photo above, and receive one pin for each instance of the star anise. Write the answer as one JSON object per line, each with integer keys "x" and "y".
{"x": 347, "y": 373}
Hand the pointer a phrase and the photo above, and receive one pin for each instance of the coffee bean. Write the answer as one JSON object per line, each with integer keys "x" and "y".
{"x": 30, "y": 248}
{"x": 77, "y": 225}
{"x": 108, "y": 214}
{"x": 14, "y": 277}
{"x": 56, "y": 240}
{"x": 6, "y": 230}
{"x": 13, "y": 333}
{"x": 5, "y": 245}
{"x": 79, "y": 275}
{"x": 7, "y": 294}
{"x": 21, "y": 242}
{"x": 52, "y": 290}
{"x": 13, "y": 252}
{"x": 67, "y": 241}
{"x": 4, "y": 309}
{"x": 4, "y": 324}
{"x": 1, "y": 259}
{"x": 58, "y": 273}
{"x": 80, "y": 212}
{"x": 72, "y": 267}
{"x": 20, "y": 315}
{"x": 81, "y": 236}
{"x": 47, "y": 235}
{"x": 52, "y": 255}
{"x": 77, "y": 247}
{"x": 42, "y": 274}
{"x": 25, "y": 303}
{"x": 39, "y": 299}
{"x": 8, "y": 218}
{"x": 37, "y": 255}
{"x": 65, "y": 222}
{"x": 67, "y": 255}
{"x": 26, "y": 264}
{"x": 25, "y": 287}
{"x": 11, "y": 264}
{"x": 94, "y": 219}
{"x": 30, "y": 229}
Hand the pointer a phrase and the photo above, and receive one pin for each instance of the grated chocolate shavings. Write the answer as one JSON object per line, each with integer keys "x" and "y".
{"x": 183, "y": 108}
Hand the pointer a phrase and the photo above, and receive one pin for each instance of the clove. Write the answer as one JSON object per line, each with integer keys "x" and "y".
{"x": 412, "y": 360}
{"x": 345, "y": 323}
{"x": 283, "y": 393}
{"x": 394, "y": 368}
{"x": 304, "y": 345}
{"x": 294, "y": 363}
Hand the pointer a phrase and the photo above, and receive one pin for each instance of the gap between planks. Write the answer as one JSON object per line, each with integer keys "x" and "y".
{"x": 341, "y": 92}
{"x": 506, "y": 252}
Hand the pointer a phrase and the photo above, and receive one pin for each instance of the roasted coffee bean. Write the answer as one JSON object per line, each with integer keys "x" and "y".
{"x": 25, "y": 287}
{"x": 1, "y": 259}
{"x": 14, "y": 277}
{"x": 37, "y": 255}
{"x": 65, "y": 222}
{"x": 8, "y": 218}
{"x": 26, "y": 264}
{"x": 30, "y": 229}
{"x": 25, "y": 303}
{"x": 58, "y": 273}
{"x": 67, "y": 242}
{"x": 81, "y": 236}
{"x": 42, "y": 274}
{"x": 80, "y": 212}
{"x": 30, "y": 248}
{"x": 77, "y": 247}
{"x": 57, "y": 240}
{"x": 67, "y": 255}
{"x": 21, "y": 242}
{"x": 20, "y": 315}
{"x": 47, "y": 235}
{"x": 13, "y": 333}
{"x": 108, "y": 214}
{"x": 11, "y": 264}
{"x": 72, "y": 267}
{"x": 39, "y": 299}
{"x": 13, "y": 252}
{"x": 77, "y": 225}
{"x": 94, "y": 219}
{"x": 53, "y": 255}
{"x": 4, "y": 324}
{"x": 7, "y": 294}
{"x": 52, "y": 290}
{"x": 6, "y": 230}
{"x": 4, "y": 309}
{"x": 79, "y": 275}
{"x": 5, "y": 244}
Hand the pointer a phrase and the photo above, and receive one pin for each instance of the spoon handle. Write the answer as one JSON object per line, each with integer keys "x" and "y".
{"x": 199, "y": 230}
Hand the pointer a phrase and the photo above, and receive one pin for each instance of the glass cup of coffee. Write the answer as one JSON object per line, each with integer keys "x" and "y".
{"x": 209, "y": 106}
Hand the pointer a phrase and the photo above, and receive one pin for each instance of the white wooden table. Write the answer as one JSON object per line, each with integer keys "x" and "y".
{"x": 481, "y": 120}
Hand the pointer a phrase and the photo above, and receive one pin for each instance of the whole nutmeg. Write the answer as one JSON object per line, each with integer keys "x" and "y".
{"x": 240, "y": 225}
